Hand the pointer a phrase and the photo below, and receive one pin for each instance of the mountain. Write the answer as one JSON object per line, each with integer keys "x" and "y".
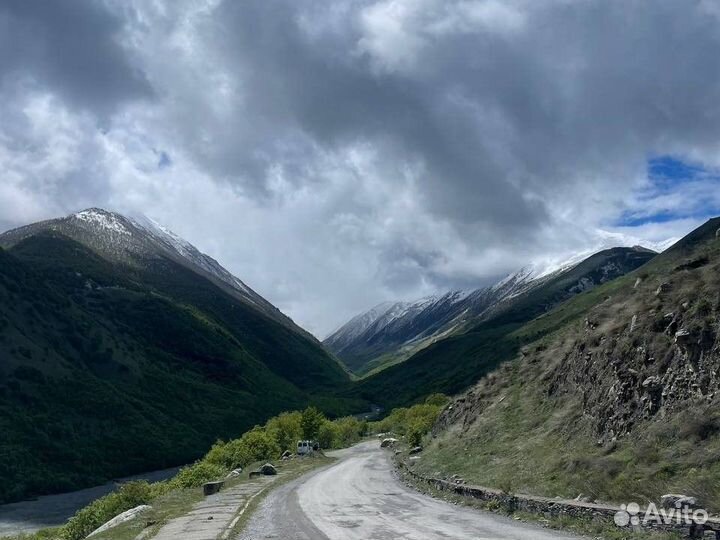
{"x": 392, "y": 332}
{"x": 125, "y": 349}
{"x": 136, "y": 241}
{"x": 451, "y": 364}
{"x": 615, "y": 394}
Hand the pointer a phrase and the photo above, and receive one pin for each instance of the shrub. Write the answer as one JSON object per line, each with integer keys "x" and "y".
{"x": 86, "y": 520}
{"x": 197, "y": 474}
{"x": 349, "y": 430}
{"x": 255, "y": 445}
{"x": 328, "y": 435}
{"x": 438, "y": 400}
{"x": 285, "y": 429}
{"x": 415, "y": 435}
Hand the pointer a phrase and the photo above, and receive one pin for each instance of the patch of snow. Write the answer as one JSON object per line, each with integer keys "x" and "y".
{"x": 103, "y": 220}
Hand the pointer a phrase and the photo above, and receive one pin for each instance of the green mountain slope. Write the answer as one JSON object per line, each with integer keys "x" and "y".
{"x": 621, "y": 402}
{"x": 452, "y": 364}
{"x": 108, "y": 369}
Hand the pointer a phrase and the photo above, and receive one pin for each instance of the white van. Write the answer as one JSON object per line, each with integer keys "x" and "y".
{"x": 304, "y": 447}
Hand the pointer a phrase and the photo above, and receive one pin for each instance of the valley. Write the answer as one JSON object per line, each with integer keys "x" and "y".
{"x": 125, "y": 353}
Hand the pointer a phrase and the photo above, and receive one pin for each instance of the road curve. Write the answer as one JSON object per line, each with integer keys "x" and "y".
{"x": 358, "y": 498}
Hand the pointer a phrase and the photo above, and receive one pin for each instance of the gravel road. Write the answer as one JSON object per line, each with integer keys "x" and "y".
{"x": 359, "y": 498}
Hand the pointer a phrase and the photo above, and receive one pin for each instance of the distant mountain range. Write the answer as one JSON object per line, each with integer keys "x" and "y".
{"x": 124, "y": 349}
{"x": 392, "y": 332}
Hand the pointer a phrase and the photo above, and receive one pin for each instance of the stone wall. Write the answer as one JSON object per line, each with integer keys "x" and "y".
{"x": 547, "y": 507}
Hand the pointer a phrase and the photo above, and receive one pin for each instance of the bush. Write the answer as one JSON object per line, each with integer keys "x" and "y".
{"x": 328, "y": 435}
{"x": 349, "y": 430}
{"x": 197, "y": 474}
{"x": 255, "y": 445}
{"x": 86, "y": 520}
{"x": 285, "y": 429}
{"x": 415, "y": 435}
{"x": 413, "y": 422}
{"x": 438, "y": 400}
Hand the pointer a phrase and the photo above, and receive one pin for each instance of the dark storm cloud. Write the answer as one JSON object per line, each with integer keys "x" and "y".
{"x": 70, "y": 47}
{"x": 501, "y": 118}
{"x": 323, "y": 89}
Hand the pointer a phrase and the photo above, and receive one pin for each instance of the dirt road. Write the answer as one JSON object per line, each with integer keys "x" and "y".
{"x": 358, "y": 498}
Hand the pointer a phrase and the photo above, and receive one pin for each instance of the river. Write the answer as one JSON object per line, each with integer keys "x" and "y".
{"x": 53, "y": 510}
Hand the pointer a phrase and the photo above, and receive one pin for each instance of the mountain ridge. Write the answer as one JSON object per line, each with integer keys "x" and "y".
{"x": 129, "y": 239}
{"x": 452, "y": 364}
{"x": 372, "y": 341}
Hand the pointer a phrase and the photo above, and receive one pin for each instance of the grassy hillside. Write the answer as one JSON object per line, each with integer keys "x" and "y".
{"x": 621, "y": 403}
{"x": 107, "y": 371}
{"x": 454, "y": 363}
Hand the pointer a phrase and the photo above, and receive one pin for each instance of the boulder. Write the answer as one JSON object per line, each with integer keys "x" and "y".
{"x": 663, "y": 288}
{"x": 682, "y": 336}
{"x": 415, "y": 450}
{"x": 268, "y": 469}
{"x": 287, "y": 454}
{"x": 633, "y": 323}
{"x": 121, "y": 518}
{"x": 388, "y": 443}
{"x": 209, "y": 488}
{"x": 235, "y": 473}
{"x": 676, "y": 500}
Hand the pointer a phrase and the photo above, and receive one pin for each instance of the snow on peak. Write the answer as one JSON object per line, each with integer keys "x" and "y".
{"x": 102, "y": 219}
{"x": 186, "y": 250}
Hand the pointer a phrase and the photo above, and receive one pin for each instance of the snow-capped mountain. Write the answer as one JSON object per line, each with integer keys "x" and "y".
{"x": 392, "y": 332}
{"x": 137, "y": 241}
{"x": 398, "y": 329}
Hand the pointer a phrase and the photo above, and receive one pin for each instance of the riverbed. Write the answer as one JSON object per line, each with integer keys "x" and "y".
{"x": 54, "y": 510}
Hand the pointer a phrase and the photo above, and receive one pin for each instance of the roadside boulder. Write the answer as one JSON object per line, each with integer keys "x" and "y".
{"x": 388, "y": 443}
{"x": 415, "y": 450}
{"x": 287, "y": 454}
{"x": 268, "y": 469}
{"x": 121, "y": 518}
{"x": 235, "y": 473}
{"x": 676, "y": 500}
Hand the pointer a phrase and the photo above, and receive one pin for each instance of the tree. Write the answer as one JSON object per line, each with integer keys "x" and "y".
{"x": 286, "y": 429}
{"x": 310, "y": 423}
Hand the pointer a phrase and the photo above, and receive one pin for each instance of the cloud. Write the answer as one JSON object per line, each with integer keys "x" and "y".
{"x": 72, "y": 47}
{"x": 335, "y": 154}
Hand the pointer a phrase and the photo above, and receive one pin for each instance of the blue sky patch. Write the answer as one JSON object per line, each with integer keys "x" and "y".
{"x": 666, "y": 176}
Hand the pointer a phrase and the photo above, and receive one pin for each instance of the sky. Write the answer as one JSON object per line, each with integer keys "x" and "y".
{"x": 335, "y": 154}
